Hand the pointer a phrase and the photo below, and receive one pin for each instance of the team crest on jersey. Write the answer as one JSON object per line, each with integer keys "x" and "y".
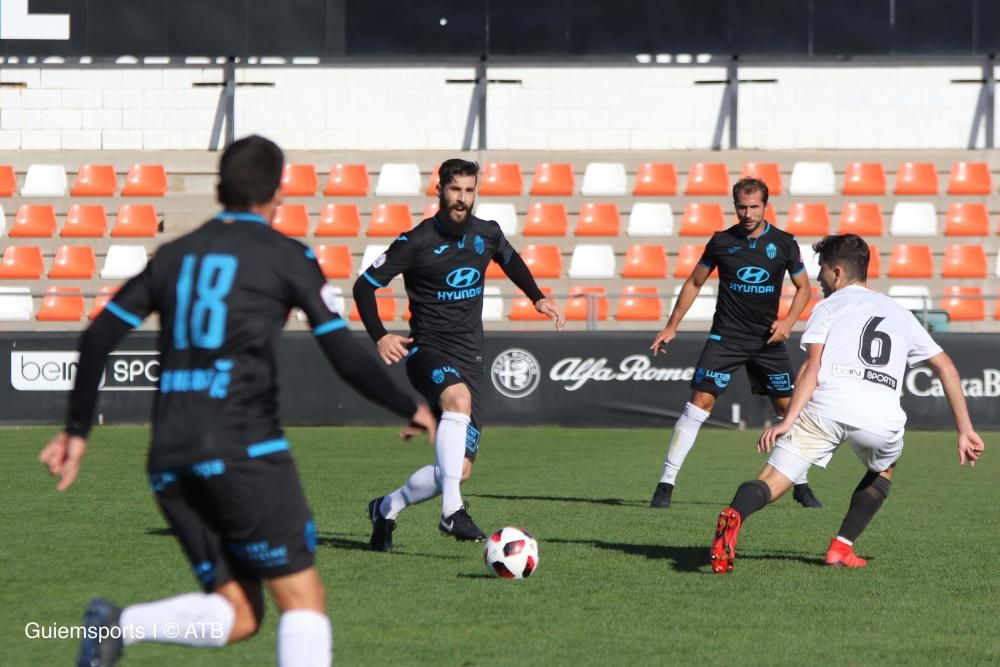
{"x": 771, "y": 250}
{"x": 479, "y": 245}
{"x": 379, "y": 261}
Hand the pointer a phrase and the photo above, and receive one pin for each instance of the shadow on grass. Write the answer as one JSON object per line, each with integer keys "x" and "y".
{"x": 358, "y": 545}
{"x": 615, "y": 502}
{"x": 161, "y": 532}
{"x": 475, "y": 576}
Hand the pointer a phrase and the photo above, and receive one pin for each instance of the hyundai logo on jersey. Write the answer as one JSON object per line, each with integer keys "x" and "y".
{"x": 751, "y": 277}
{"x": 771, "y": 250}
{"x": 465, "y": 281}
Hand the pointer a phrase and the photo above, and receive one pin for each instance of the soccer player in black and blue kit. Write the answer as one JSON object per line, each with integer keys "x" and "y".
{"x": 752, "y": 258}
{"x": 443, "y": 261}
{"x": 219, "y": 464}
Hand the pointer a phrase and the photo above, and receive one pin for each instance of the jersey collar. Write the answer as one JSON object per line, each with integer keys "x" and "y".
{"x": 243, "y": 216}
{"x": 739, "y": 230}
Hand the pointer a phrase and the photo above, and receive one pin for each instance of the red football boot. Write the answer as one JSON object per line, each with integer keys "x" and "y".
{"x": 723, "y": 551}
{"x": 842, "y": 555}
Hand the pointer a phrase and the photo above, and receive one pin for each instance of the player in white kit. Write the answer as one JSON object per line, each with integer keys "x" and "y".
{"x": 858, "y": 343}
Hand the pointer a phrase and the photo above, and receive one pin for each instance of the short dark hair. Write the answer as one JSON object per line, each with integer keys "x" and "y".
{"x": 449, "y": 169}
{"x": 849, "y": 251}
{"x": 249, "y": 172}
{"x": 748, "y": 185}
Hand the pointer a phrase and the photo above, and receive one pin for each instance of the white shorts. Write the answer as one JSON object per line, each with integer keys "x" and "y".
{"x": 813, "y": 439}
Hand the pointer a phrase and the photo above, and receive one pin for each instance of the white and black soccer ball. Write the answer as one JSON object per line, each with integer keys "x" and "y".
{"x": 511, "y": 553}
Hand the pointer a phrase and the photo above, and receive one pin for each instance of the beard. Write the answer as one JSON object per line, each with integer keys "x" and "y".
{"x": 450, "y": 227}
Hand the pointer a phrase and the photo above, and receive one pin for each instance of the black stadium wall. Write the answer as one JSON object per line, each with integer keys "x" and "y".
{"x": 568, "y": 379}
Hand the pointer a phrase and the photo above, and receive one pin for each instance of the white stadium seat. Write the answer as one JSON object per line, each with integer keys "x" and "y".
{"x": 913, "y": 219}
{"x": 398, "y": 179}
{"x": 503, "y": 214}
{"x": 810, "y": 259}
{"x": 604, "y": 179}
{"x": 812, "y": 178}
{"x": 15, "y": 304}
{"x": 3, "y": 222}
{"x": 371, "y": 253}
{"x": 592, "y": 261}
{"x": 492, "y": 304}
{"x": 649, "y": 219}
{"x": 703, "y": 308}
{"x": 338, "y": 304}
{"x": 45, "y": 180}
{"x": 123, "y": 262}
{"x": 911, "y": 297}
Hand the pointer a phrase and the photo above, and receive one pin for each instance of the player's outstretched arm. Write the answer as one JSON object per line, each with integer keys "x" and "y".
{"x": 970, "y": 445}
{"x": 781, "y": 330}
{"x": 805, "y": 385}
{"x": 551, "y": 309}
{"x": 519, "y": 274}
{"x": 689, "y": 292}
{"x": 63, "y": 456}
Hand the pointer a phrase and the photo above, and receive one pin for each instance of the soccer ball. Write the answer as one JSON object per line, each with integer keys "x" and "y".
{"x": 511, "y": 553}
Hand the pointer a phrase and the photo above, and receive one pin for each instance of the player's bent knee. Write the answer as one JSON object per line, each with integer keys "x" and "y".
{"x": 703, "y": 400}
{"x": 300, "y": 590}
{"x": 247, "y": 601}
{"x": 457, "y": 398}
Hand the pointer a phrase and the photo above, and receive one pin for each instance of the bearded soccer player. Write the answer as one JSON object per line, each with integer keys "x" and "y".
{"x": 219, "y": 464}
{"x": 752, "y": 258}
{"x": 858, "y": 343}
{"x": 443, "y": 261}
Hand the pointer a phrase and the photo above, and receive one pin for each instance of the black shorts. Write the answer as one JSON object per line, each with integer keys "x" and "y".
{"x": 431, "y": 372}
{"x": 768, "y": 367}
{"x": 243, "y": 520}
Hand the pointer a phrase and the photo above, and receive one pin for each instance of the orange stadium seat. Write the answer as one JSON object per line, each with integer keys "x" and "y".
{"x": 24, "y": 262}
{"x": 655, "y": 179}
{"x": 386, "y": 306}
{"x": 101, "y": 300}
{"x": 85, "y": 221}
{"x": 145, "y": 180}
{"x": 769, "y": 214}
{"x": 996, "y": 310}
{"x": 598, "y": 220}
{"x": 808, "y": 220}
{"x": 910, "y": 260}
{"x": 501, "y": 180}
{"x": 916, "y": 178}
{"x": 299, "y": 180}
{"x": 522, "y": 310}
{"x": 290, "y": 220}
{"x": 543, "y": 260}
{"x": 347, "y": 180}
{"x": 576, "y": 305}
{"x": 61, "y": 304}
{"x": 95, "y": 180}
{"x": 874, "y": 263}
{"x": 645, "y": 261}
{"x": 785, "y": 304}
{"x": 34, "y": 220}
{"x": 765, "y": 171}
{"x": 707, "y": 178}
{"x": 135, "y": 220}
{"x": 495, "y": 271}
{"x": 390, "y": 220}
{"x": 639, "y": 303}
{"x": 864, "y": 178}
{"x": 966, "y": 309}
{"x": 334, "y": 260}
{"x": 339, "y": 220}
{"x": 432, "y": 183}
{"x": 702, "y": 220}
{"x": 74, "y": 262}
{"x": 964, "y": 261}
{"x": 687, "y": 258}
{"x": 546, "y": 220}
{"x": 966, "y": 219}
{"x": 970, "y": 178}
{"x": 8, "y": 182}
{"x": 552, "y": 179}
{"x": 861, "y": 219}
{"x": 431, "y": 210}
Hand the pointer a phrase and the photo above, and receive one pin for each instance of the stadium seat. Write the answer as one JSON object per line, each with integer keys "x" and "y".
{"x": 34, "y": 220}
{"x": 75, "y": 262}
{"x": 769, "y": 214}
{"x": 707, "y": 179}
{"x": 996, "y": 310}
{"x": 913, "y": 219}
{"x": 702, "y": 220}
{"x": 911, "y": 297}
{"x": 45, "y": 180}
{"x": 135, "y": 220}
{"x": 431, "y": 210}
{"x": 604, "y": 179}
{"x": 398, "y": 180}
{"x": 592, "y": 261}
{"x": 645, "y": 261}
{"x": 703, "y": 308}
{"x": 8, "y": 181}
{"x": 639, "y": 303}
{"x": 523, "y": 310}
{"x": 299, "y": 180}
{"x": 385, "y": 302}
{"x": 765, "y": 171}
{"x": 863, "y": 219}
{"x": 501, "y": 180}
{"x": 964, "y": 261}
{"x": 21, "y": 262}
{"x": 970, "y": 178}
{"x": 145, "y": 180}
{"x": 808, "y": 220}
{"x": 546, "y": 220}
{"x": 15, "y": 304}
{"x": 61, "y": 304}
{"x": 649, "y": 219}
{"x": 432, "y": 182}
{"x": 3, "y": 222}
{"x": 503, "y": 214}
{"x": 339, "y": 220}
{"x": 289, "y": 219}
{"x": 964, "y": 303}
{"x": 347, "y": 180}
{"x": 598, "y": 220}
{"x": 864, "y": 178}
{"x": 579, "y": 302}
{"x": 95, "y": 180}
{"x": 101, "y": 300}
{"x": 492, "y": 304}
{"x": 687, "y": 258}
{"x": 123, "y": 262}
{"x": 810, "y": 260}
{"x": 911, "y": 261}
{"x": 916, "y": 178}
{"x": 85, "y": 221}
{"x": 658, "y": 179}
{"x": 390, "y": 220}
{"x": 543, "y": 260}
{"x": 552, "y": 180}
{"x": 785, "y": 303}
{"x": 336, "y": 295}
{"x": 371, "y": 253}
{"x": 874, "y": 263}
{"x": 812, "y": 178}
{"x": 334, "y": 260}
{"x": 966, "y": 219}
{"x": 495, "y": 271}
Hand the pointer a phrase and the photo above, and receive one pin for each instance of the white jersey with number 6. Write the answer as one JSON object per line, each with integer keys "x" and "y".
{"x": 868, "y": 340}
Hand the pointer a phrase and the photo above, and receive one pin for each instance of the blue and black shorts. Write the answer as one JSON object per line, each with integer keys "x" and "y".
{"x": 768, "y": 366}
{"x": 431, "y": 372}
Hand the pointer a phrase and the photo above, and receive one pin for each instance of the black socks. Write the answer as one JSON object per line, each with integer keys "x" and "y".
{"x": 865, "y": 502}
{"x": 750, "y": 497}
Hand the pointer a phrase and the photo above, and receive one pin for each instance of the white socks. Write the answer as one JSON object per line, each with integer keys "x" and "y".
{"x": 682, "y": 440}
{"x": 423, "y": 485}
{"x": 304, "y": 639}
{"x": 450, "y": 450}
{"x": 192, "y": 619}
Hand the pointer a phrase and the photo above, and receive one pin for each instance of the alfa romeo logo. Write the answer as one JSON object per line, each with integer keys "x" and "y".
{"x": 515, "y": 373}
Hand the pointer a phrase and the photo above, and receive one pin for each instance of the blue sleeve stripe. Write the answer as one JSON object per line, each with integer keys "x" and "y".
{"x": 795, "y": 273}
{"x": 370, "y": 279}
{"x": 332, "y": 325}
{"x": 714, "y": 337}
{"x": 707, "y": 266}
{"x": 124, "y": 315}
{"x": 267, "y": 447}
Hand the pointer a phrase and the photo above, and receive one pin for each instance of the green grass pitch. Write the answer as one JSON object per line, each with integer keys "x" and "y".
{"x": 618, "y": 583}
